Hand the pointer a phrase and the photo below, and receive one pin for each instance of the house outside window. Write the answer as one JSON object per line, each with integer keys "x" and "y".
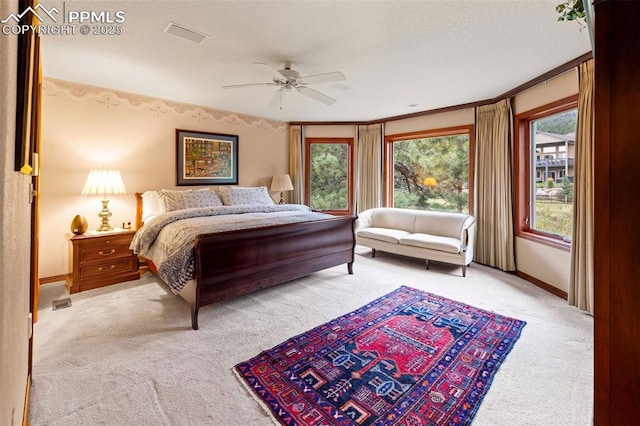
{"x": 545, "y": 152}
{"x": 430, "y": 170}
{"x": 329, "y": 175}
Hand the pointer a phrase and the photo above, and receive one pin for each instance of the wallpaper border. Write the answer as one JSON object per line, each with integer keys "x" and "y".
{"x": 114, "y": 98}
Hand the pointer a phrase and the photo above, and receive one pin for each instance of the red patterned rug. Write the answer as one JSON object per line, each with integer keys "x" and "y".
{"x": 407, "y": 358}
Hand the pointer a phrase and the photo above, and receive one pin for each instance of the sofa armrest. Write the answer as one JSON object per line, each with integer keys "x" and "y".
{"x": 365, "y": 219}
{"x": 468, "y": 233}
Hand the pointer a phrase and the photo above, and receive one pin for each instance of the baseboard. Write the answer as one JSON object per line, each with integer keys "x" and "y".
{"x": 548, "y": 287}
{"x": 25, "y": 413}
{"x": 53, "y": 279}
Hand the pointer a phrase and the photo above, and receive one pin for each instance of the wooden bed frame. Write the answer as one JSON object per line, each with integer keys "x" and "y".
{"x": 234, "y": 263}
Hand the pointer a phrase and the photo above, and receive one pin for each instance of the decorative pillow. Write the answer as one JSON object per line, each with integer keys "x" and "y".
{"x": 233, "y": 196}
{"x": 179, "y": 200}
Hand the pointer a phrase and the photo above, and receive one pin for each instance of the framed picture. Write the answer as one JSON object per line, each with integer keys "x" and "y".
{"x": 206, "y": 158}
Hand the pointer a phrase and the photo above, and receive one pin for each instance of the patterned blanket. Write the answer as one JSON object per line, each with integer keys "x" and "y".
{"x": 168, "y": 239}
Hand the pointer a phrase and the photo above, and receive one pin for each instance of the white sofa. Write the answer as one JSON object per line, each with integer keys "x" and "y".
{"x": 445, "y": 237}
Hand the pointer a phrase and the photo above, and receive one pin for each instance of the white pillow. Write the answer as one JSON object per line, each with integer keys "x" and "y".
{"x": 179, "y": 200}
{"x": 235, "y": 195}
{"x": 151, "y": 205}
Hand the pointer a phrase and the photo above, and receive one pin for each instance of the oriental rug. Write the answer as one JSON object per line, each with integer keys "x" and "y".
{"x": 407, "y": 358}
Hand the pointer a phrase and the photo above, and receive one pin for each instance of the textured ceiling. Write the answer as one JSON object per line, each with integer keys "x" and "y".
{"x": 394, "y": 54}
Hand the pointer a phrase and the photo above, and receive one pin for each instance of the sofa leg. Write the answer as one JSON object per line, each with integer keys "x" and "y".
{"x": 464, "y": 270}
{"x": 427, "y": 261}
{"x": 373, "y": 252}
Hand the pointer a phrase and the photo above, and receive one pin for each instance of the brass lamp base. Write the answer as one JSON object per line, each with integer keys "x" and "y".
{"x": 105, "y": 214}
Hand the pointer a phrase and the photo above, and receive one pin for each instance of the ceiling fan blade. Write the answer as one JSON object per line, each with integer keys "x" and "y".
{"x": 323, "y": 78}
{"x": 276, "y": 101}
{"x": 272, "y": 70}
{"x": 314, "y": 94}
{"x": 239, "y": 86}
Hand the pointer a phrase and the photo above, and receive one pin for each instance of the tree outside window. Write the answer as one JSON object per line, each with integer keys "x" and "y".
{"x": 329, "y": 174}
{"x": 430, "y": 170}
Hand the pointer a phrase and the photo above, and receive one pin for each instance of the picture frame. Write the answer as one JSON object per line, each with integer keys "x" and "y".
{"x": 204, "y": 158}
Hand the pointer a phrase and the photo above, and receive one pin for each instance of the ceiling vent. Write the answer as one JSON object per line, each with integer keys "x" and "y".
{"x": 185, "y": 33}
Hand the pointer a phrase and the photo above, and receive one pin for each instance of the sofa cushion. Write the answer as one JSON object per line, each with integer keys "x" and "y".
{"x": 434, "y": 242}
{"x": 392, "y": 218}
{"x": 439, "y": 223}
{"x": 383, "y": 234}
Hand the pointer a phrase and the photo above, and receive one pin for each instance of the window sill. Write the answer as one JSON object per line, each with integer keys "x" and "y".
{"x": 545, "y": 240}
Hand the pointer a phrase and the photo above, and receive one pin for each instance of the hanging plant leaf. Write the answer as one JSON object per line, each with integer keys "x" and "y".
{"x": 570, "y": 10}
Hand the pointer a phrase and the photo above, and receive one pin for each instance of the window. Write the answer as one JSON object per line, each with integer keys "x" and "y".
{"x": 329, "y": 171}
{"x": 430, "y": 170}
{"x": 545, "y": 144}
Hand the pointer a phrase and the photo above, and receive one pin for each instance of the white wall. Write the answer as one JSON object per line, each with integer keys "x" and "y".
{"x": 548, "y": 264}
{"x": 330, "y": 131}
{"x": 15, "y": 229}
{"x": 86, "y": 127}
{"x": 431, "y": 122}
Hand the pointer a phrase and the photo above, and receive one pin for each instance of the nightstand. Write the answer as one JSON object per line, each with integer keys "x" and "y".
{"x": 101, "y": 259}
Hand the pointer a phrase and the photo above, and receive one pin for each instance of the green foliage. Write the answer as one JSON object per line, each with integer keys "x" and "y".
{"x": 555, "y": 218}
{"x": 560, "y": 124}
{"x": 567, "y": 189}
{"x": 329, "y": 179}
{"x": 570, "y": 10}
{"x": 445, "y": 159}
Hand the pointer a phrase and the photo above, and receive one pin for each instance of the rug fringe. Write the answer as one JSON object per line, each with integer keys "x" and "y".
{"x": 255, "y": 397}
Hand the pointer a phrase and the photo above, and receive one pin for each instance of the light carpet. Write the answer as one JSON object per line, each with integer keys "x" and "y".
{"x": 126, "y": 354}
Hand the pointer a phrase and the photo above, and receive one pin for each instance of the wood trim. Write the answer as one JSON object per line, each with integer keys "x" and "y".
{"x": 350, "y": 172}
{"x": 387, "y": 194}
{"x": 604, "y": 82}
{"x": 522, "y": 171}
{"x": 539, "y": 283}
{"x": 561, "y": 69}
{"x": 139, "y": 221}
{"x": 616, "y": 206}
{"x": 549, "y": 109}
{"x": 25, "y": 411}
{"x": 54, "y": 279}
{"x": 432, "y": 111}
{"x": 544, "y": 239}
{"x": 567, "y": 66}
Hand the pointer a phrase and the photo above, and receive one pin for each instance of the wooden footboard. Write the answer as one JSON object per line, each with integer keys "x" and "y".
{"x": 234, "y": 263}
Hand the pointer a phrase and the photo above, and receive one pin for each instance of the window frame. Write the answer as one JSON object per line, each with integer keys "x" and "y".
{"x": 522, "y": 170}
{"x": 350, "y": 169}
{"x": 389, "y": 140}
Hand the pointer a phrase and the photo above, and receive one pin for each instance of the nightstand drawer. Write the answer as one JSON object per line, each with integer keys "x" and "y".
{"x": 105, "y": 252}
{"x": 105, "y": 270}
{"x": 100, "y": 259}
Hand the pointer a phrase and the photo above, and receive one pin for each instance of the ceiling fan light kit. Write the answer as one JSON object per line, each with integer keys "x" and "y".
{"x": 288, "y": 79}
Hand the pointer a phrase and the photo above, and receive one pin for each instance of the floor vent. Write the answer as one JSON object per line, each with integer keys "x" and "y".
{"x": 61, "y": 304}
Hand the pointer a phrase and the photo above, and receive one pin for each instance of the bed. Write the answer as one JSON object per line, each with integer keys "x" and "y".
{"x": 239, "y": 245}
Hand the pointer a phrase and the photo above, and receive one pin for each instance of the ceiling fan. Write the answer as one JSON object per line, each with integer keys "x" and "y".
{"x": 288, "y": 79}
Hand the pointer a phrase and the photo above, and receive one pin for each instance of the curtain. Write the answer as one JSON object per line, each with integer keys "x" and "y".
{"x": 296, "y": 164}
{"x": 494, "y": 177}
{"x": 368, "y": 168}
{"x": 581, "y": 277}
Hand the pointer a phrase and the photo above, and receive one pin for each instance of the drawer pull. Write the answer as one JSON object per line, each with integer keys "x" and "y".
{"x": 101, "y": 269}
{"x": 101, "y": 253}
